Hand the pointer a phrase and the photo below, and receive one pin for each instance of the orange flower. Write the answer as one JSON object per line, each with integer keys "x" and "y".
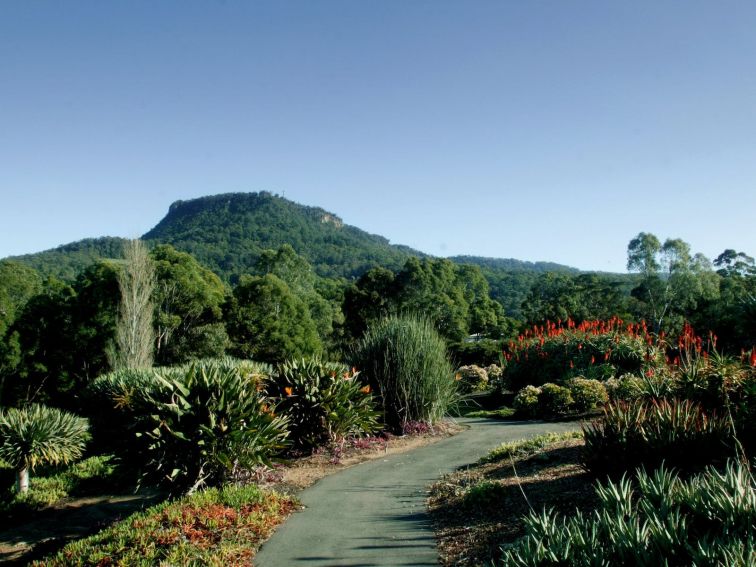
{"x": 366, "y": 389}
{"x": 457, "y": 377}
{"x": 288, "y": 390}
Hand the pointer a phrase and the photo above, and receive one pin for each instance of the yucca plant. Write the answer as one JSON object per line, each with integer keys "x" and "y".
{"x": 37, "y": 435}
{"x": 659, "y": 519}
{"x": 648, "y": 432}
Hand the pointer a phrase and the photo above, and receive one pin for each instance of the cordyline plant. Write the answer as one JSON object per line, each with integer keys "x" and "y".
{"x": 37, "y": 435}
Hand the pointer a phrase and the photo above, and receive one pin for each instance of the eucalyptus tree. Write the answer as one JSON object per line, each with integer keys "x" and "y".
{"x": 673, "y": 282}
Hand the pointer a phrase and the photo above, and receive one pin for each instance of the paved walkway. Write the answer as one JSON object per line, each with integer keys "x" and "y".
{"x": 374, "y": 513}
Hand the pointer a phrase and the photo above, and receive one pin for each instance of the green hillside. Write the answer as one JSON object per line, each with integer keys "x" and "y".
{"x": 67, "y": 261}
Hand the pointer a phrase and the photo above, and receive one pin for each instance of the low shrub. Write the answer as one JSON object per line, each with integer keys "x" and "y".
{"x": 625, "y": 388}
{"x": 678, "y": 432}
{"x": 485, "y": 495}
{"x": 404, "y": 360}
{"x": 526, "y": 401}
{"x": 706, "y": 520}
{"x": 587, "y": 394}
{"x": 322, "y": 401}
{"x": 554, "y": 401}
{"x": 471, "y": 378}
{"x": 211, "y": 527}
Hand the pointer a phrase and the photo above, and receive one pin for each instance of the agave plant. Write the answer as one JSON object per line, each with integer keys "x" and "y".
{"x": 40, "y": 435}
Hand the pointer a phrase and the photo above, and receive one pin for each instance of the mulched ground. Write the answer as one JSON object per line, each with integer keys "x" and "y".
{"x": 473, "y": 520}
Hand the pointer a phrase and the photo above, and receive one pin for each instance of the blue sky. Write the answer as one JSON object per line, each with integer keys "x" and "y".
{"x": 527, "y": 129}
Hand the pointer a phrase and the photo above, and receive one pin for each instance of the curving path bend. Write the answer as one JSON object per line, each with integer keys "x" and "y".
{"x": 374, "y": 513}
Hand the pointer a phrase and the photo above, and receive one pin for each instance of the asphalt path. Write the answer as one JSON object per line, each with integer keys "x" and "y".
{"x": 374, "y": 513}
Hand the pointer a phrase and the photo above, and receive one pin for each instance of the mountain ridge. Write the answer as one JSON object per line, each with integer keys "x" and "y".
{"x": 228, "y": 231}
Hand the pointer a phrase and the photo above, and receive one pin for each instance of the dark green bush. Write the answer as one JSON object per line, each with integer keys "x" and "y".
{"x": 587, "y": 394}
{"x": 322, "y": 401}
{"x": 404, "y": 360}
{"x": 554, "y": 401}
{"x": 678, "y": 432}
{"x": 707, "y": 520}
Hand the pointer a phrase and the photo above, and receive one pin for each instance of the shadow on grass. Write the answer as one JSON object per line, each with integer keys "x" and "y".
{"x": 48, "y": 530}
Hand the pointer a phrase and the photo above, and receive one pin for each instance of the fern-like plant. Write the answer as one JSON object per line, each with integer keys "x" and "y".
{"x": 38, "y": 435}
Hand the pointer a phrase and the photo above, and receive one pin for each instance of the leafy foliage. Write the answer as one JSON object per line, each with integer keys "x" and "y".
{"x": 322, "y": 402}
{"x": 526, "y": 401}
{"x": 197, "y": 424}
{"x": 557, "y": 351}
{"x": 471, "y": 378}
{"x": 707, "y": 520}
{"x": 554, "y": 400}
{"x": 404, "y": 360}
{"x": 267, "y": 322}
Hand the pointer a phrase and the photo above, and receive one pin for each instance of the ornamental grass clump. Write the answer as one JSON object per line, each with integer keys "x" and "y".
{"x": 323, "y": 401}
{"x": 404, "y": 360}
{"x": 678, "y": 432}
{"x": 659, "y": 519}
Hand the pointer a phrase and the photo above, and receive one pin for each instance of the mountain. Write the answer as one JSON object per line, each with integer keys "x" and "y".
{"x": 228, "y": 232}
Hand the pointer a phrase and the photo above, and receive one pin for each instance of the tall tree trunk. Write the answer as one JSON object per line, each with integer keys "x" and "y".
{"x": 22, "y": 480}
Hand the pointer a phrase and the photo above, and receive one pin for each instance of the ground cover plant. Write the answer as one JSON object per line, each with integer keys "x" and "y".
{"x": 212, "y": 527}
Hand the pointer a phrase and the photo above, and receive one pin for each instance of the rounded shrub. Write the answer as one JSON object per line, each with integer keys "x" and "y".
{"x": 472, "y": 378}
{"x": 554, "y": 400}
{"x": 626, "y": 387}
{"x": 526, "y": 401}
{"x": 404, "y": 360}
{"x": 587, "y": 394}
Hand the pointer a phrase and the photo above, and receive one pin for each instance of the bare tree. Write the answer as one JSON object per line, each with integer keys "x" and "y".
{"x": 135, "y": 336}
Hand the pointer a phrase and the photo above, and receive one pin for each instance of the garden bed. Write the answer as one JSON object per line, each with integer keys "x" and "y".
{"x": 476, "y": 510}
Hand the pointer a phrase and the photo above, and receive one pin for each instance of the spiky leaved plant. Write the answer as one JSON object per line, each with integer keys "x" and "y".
{"x": 37, "y": 435}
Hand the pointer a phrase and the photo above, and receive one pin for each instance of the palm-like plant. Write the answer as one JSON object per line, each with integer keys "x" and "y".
{"x": 40, "y": 435}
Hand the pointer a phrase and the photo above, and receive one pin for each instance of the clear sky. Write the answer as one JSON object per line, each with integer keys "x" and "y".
{"x": 539, "y": 130}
